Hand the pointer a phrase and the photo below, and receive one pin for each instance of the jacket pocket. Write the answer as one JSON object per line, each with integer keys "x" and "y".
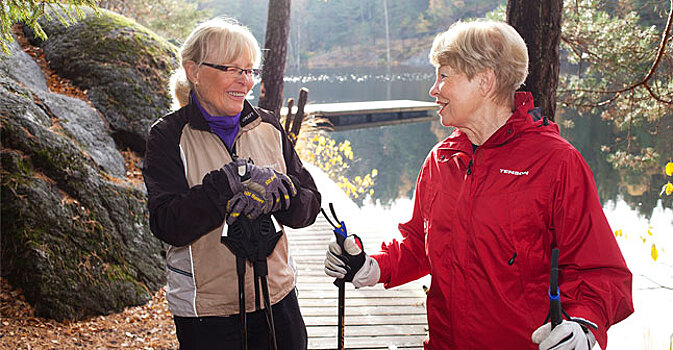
{"x": 527, "y": 232}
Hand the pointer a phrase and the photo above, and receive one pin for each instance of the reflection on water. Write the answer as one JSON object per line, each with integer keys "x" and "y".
{"x": 398, "y": 151}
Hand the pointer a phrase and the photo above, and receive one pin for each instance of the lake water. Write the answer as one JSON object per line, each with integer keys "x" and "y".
{"x": 397, "y": 152}
{"x": 631, "y": 200}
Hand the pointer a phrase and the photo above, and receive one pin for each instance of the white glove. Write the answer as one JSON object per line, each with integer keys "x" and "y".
{"x": 566, "y": 336}
{"x": 366, "y": 275}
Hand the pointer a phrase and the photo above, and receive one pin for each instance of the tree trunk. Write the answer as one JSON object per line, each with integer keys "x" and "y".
{"x": 539, "y": 23}
{"x": 275, "y": 54}
{"x": 385, "y": 13}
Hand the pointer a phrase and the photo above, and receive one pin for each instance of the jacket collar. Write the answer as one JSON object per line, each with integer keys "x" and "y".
{"x": 520, "y": 121}
{"x": 198, "y": 122}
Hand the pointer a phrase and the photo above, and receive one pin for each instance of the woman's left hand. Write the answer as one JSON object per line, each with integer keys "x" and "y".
{"x": 265, "y": 191}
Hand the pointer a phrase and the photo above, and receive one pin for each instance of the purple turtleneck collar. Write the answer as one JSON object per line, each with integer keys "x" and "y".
{"x": 225, "y": 127}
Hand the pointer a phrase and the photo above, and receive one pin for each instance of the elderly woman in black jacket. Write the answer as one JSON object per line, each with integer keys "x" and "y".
{"x": 194, "y": 163}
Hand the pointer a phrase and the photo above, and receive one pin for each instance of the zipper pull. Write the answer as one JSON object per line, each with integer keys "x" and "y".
{"x": 469, "y": 168}
{"x": 511, "y": 260}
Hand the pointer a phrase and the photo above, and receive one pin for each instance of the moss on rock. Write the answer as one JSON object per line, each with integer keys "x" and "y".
{"x": 124, "y": 66}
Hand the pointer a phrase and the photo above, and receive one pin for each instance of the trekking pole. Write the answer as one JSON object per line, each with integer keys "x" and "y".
{"x": 340, "y": 233}
{"x": 554, "y": 292}
{"x": 240, "y": 270}
{"x": 556, "y": 312}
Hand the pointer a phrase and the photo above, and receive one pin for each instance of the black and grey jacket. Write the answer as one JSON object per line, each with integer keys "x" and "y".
{"x": 187, "y": 195}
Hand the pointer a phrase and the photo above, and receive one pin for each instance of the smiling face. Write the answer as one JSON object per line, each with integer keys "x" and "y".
{"x": 221, "y": 93}
{"x": 458, "y": 96}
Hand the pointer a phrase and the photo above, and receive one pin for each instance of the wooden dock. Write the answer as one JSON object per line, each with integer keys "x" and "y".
{"x": 358, "y": 115}
{"x": 375, "y": 318}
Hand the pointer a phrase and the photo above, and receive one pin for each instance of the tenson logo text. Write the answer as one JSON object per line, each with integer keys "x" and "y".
{"x": 513, "y": 172}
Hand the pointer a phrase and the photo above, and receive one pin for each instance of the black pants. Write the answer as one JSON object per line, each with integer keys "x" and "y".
{"x": 220, "y": 333}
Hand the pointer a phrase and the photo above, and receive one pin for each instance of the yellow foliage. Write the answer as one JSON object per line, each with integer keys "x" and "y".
{"x": 654, "y": 252}
{"x": 668, "y": 187}
{"x": 334, "y": 159}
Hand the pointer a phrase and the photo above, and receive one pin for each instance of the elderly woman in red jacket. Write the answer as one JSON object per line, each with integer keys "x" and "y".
{"x": 491, "y": 202}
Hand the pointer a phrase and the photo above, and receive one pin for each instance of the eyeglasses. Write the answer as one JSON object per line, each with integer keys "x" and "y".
{"x": 253, "y": 72}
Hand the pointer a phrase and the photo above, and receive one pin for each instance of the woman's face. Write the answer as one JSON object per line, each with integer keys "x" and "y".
{"x": 458, "y": 96}
{"x": 223, "y": 93}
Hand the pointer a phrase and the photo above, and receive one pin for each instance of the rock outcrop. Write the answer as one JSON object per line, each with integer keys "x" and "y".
{"x": 75, "y": 232}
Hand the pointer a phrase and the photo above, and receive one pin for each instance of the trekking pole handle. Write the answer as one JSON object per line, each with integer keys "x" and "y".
{"x": 341, "y": 233}
{"x": 554, "y": 292}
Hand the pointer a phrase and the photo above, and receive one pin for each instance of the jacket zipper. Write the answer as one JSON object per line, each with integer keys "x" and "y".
{"x": 178, "y": 271}
{"x": 469, "y": 248}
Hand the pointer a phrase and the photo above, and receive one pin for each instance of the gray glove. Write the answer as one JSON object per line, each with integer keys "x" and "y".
{"x": 247, "y": 202}
{"x": 234, "y": 171}
{"x": 276, "y": 188}
{"x": 566, "y": 336}
{"x": 222, "y": 184}
{"x": 264, "y": 191}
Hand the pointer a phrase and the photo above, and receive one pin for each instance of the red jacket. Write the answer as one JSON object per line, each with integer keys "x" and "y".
{"x": 484, "y": 225}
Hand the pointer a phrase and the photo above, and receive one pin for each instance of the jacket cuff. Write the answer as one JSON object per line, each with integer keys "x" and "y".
{"x": 216, "y": 186}
{"x": 295, "y": 182}
{"x": 384, "y": 266}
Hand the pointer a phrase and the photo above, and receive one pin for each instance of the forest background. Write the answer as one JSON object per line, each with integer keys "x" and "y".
{"x": 616, "y": 65}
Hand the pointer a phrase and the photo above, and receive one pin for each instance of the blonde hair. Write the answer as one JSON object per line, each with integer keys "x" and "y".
{"x": 221, "y": 38}
{"x": 472, "y": 47}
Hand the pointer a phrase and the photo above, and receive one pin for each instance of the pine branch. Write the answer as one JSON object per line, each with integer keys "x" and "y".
{"x": 665, "y": 39}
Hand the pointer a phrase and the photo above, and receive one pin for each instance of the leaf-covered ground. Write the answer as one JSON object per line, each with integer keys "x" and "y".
{"x": 147, "y": 327}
